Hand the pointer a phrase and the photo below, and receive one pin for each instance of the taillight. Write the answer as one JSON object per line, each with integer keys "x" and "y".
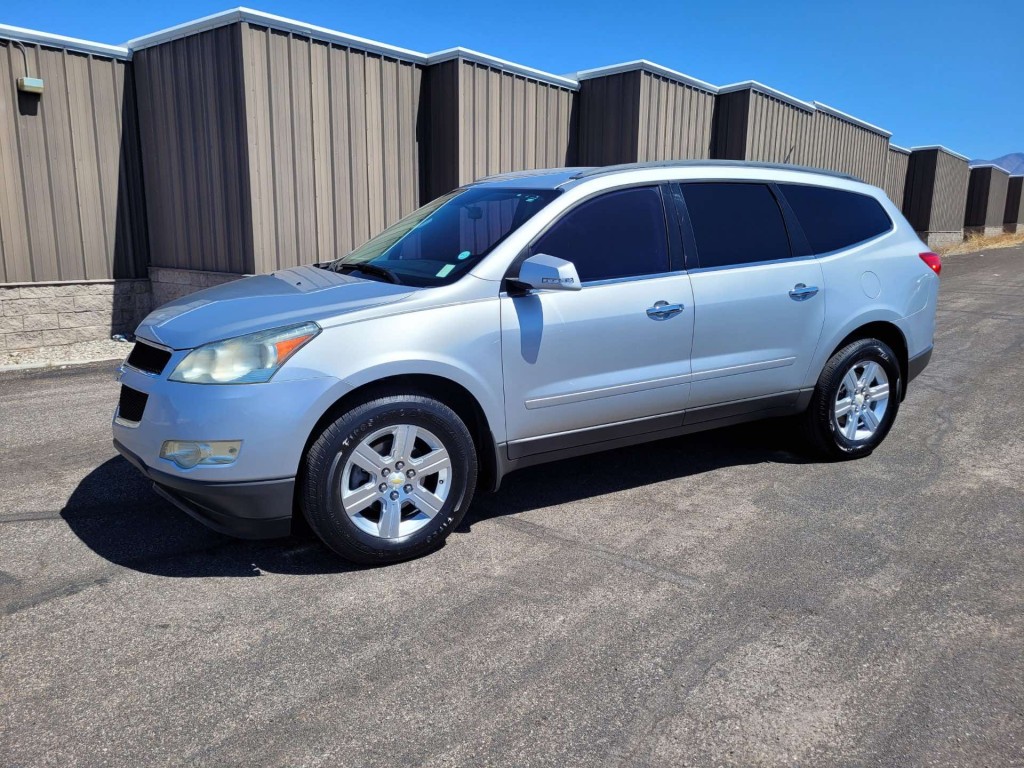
{"x": 933, "y": 260}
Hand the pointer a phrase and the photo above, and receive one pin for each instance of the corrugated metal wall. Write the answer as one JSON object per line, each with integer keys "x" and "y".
{"x": 839, "y": 145}
{"x": 610, "y": 119}
{"x": 510, "y": 123}
{"x": 675, "y": 120}
{"x": 935, "y": 197}
{"x": 192, "y": 127}
{"x": 896, "y": 175}
{"x": 71, "y": 202}
{"x": 777, "y": 131}
{"x": 333, "y": 145}
{"x": 1014, "y": 211}
{"x": 986, "y": 197}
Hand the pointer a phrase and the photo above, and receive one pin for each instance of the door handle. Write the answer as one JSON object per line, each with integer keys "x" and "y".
{"x": 662, "y": 310}
{"x": 802, "y": 292}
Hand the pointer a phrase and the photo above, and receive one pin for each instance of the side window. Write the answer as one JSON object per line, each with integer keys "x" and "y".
{"x": 736, "y": 223}
{"x": 834, "y": 218}
{"x": 619, "y": 234}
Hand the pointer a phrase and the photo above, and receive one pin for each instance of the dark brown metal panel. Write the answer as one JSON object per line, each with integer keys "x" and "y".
{"x": 675, "y": 120}
{"x": 896, "y": 175}
{"x": 919, "y": 193}
{"x": 193, "y": 134}
{"x": 68, "y": 169}
{"x": 731, "y": 126}
{"x": 334, "y": 145}
{"x": 610, "y": 119}
{"x": 443, "y": 159}
{"x": 986, "y": 197}
{"x": 1014, "y": 211}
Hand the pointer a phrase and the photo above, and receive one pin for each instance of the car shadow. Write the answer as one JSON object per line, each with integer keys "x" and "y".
{"x": 116, "y": 513}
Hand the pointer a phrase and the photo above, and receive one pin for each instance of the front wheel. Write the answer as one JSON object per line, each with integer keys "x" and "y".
{"x": 389, "y": 479}
{"x": 856, "y": 400}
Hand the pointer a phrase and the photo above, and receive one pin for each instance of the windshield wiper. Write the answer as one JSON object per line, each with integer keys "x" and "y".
{"x": 370, "y": 269}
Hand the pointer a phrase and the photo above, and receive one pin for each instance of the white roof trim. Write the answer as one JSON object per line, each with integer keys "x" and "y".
{"x": 753, "y": 85}
{"x": 248, "y": 15}
{"x": 506, "y": 66}
{"x": 851, "y": 119}
{"x": 904, "y": 150}
{"x": 646, "y": 66}
{"x": 941, "y": 148}
{"x": 60, "y": 41}
{"x": 990, "y": 165}
{"x": 235, "y": 15}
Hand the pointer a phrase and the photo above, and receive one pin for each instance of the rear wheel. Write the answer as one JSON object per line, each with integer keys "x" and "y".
{"x": 390, "y": 479}
{"x": 856, "y": 400}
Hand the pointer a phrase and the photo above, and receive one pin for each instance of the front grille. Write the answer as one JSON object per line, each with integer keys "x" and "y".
{"x": 132, "y": 404}
{"x": 150, "y": 359}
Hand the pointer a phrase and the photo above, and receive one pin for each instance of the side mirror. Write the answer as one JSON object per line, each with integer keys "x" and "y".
{"x": 542, "y": 272}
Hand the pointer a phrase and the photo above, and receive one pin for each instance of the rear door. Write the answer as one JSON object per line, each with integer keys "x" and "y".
{"x": 759, "y": 297}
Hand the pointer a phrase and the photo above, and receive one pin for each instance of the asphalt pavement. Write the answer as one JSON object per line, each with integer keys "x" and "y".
{"x": 719, "y": 599}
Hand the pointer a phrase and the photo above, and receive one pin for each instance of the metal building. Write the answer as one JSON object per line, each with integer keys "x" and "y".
{"x": 935, "y": 197}
{"x": 640, "y": 111}
{"x": 844, "y": 143}
{"x": 755, "y": 122}
{"x": 896, "y": 173}
{"x": 1013, "y": 218}
{"x": 71, "y": 205}
{"x": 986, "y": 199}
{"x": 487, "y": 116}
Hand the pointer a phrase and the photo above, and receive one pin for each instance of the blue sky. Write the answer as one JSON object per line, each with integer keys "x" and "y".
{"x": 930, "y": 71}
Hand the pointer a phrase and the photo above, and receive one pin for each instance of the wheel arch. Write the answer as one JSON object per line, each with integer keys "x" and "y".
{"x": 444, "y": 390}
{"x": 886, "y": 332}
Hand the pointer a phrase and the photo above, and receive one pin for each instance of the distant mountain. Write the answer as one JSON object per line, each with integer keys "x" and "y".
{"x": 1014, "y": 162}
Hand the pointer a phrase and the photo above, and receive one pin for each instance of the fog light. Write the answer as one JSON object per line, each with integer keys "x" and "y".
{"x": 190, "y": 453}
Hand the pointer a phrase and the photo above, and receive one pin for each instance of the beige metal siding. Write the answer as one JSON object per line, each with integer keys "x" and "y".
{"x": 511, "y": 123}
{"x": 610, "y": 119}
{"x": 675, "y": 120}
{"x": 191, "y": 110}
{"x": 896, "y": 175}
{"x": 71, "y": 203}
{"x": 950, "y": 202}
{"x": 778, "y": 132}
{"x": 986, "y": 197}
{"x": 839, "y": 145}
{"x": 333, "y": 145}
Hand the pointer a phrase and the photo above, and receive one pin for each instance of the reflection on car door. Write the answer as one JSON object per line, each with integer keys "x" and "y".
{"x": 759, "y": 308}
{"x": 615, "y": 353}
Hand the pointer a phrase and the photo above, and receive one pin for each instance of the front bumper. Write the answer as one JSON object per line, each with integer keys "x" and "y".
{"x": 259, "y": 509}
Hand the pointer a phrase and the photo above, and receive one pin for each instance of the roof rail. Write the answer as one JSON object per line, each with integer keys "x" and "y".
{"x": 587, "y": 173}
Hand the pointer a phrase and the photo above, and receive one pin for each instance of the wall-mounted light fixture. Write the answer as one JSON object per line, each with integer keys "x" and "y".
{"x": 28, "y": 84}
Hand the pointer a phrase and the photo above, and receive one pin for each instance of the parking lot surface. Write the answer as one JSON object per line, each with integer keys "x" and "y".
{"x": 711, "y": 600}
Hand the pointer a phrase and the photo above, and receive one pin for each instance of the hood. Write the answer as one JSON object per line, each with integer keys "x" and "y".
{"x": 265, "y": 301}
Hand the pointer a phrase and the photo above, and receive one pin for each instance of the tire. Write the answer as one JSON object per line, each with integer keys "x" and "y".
{"x": 854, "y": 434}
{"x": 393, "y": 436}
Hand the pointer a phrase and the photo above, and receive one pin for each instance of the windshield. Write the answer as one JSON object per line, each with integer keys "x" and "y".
{"x": 443, "y": 240}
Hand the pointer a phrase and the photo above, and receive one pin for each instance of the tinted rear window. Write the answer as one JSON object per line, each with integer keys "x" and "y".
{"x": 834, "y": 218}
{"x": 736, "y": 223}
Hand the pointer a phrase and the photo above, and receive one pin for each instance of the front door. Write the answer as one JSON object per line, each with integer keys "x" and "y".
{"x": 609, "y": 360}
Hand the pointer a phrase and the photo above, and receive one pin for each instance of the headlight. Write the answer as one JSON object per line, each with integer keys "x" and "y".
{"x": 246, "y": 359}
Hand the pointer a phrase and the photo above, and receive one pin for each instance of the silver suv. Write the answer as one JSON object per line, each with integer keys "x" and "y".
{"x": 520, "y": 320}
